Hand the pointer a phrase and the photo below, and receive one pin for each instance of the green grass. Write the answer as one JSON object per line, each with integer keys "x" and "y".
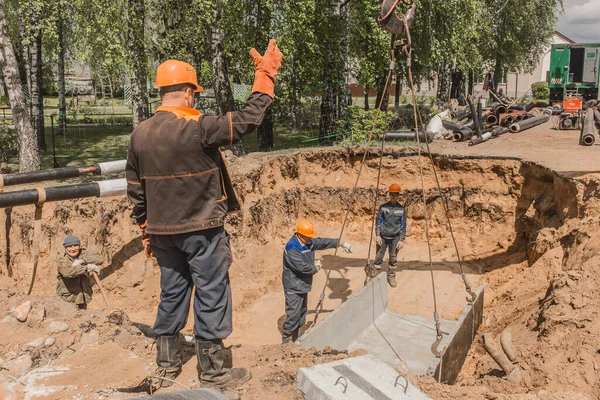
{"x": 86, "y": 145}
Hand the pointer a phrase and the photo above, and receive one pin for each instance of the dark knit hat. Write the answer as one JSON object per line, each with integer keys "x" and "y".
{"x": 71, "y": 241}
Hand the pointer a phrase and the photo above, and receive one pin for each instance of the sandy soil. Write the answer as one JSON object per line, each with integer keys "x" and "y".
{"x": 525, "y": 232}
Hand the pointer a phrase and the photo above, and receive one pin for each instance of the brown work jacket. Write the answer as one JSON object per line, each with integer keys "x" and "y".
{"x": 74, "y": 283}
{"x": 177, "y": 179}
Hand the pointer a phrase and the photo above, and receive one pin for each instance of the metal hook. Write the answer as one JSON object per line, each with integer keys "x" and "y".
{"x": 405, "y": 387}
{"x": 434, "y": 347}
{"x": 345, "y": 385}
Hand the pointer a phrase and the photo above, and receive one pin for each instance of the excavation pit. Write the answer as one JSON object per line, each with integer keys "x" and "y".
{"x": 510, "y": 219}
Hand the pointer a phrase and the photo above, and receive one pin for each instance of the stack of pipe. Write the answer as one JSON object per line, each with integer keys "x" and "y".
{"x": 496, "y": 120}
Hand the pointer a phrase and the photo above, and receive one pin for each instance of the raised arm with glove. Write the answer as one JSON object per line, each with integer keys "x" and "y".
{"x": 267, "y": 67}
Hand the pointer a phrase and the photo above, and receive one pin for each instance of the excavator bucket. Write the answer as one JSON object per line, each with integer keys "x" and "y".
{"x": 391, "y": 21}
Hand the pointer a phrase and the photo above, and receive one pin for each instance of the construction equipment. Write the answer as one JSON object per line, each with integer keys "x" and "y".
{"x": 570, "y": 117}
{"x": 574, "y": 68}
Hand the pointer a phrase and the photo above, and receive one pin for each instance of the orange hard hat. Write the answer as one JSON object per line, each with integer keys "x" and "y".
{"x": 305, "y": 228}
{"x": 175, "y": 72}
{"x": 394, "y": 188}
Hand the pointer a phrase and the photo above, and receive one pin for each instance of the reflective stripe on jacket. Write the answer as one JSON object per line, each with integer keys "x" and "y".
{"x": 177, "y": 179}
{"x": 391, "y": 221}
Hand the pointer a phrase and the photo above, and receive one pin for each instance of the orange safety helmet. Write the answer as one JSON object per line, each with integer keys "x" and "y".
{"x": 305, "y": 228}
{"x": 394, "y": 188}
{"x": 175, "y": 72}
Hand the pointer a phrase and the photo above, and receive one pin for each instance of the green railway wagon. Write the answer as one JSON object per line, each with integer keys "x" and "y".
{"x": 574, "y": 70}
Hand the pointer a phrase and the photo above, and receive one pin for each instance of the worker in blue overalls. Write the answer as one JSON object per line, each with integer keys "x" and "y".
{"x": 391, "y": 232}
{"x": 299, "y": 266}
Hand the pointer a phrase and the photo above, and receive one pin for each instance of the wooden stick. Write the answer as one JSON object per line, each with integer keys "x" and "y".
{"x": 97, "y": 279}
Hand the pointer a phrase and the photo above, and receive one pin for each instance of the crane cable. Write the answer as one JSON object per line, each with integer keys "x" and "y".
{"x": 319, "y": 306}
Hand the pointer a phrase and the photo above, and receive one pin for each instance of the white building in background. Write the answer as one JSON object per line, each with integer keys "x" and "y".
{"x": 516, "y": 84}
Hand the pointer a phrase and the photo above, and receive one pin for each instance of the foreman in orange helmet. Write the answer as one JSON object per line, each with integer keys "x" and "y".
{"x": 181, "y": 191}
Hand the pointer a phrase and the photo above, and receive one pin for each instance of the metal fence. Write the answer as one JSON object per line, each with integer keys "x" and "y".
{"x": 92, "y": 136}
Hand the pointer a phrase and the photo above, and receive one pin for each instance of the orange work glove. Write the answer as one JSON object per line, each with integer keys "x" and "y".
{"x": 267, "y": 67}
{"x": 146, "y": 240}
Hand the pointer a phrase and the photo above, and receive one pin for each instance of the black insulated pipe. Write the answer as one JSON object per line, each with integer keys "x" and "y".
{"x": 103, "y": 168}
{"x": 47, "y": 175}
{"x": 531, "y": 105}
{"x": 57, "y": 193}
{"x": 529, "y": 123}
{"x": 479, "y": 118}
{"x": 588, "y": 131}
{"x": 597, "y": 116}
{"x": 408, "y": 136}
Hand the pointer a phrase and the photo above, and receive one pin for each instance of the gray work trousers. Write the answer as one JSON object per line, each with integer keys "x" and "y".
{"x": 391, "y": 245}
{"x": 197, "y": 259}
{"x": 296, "y": 306}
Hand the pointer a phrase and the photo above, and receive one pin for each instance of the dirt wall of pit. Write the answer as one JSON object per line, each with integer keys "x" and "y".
{"x": 532, "y": 233}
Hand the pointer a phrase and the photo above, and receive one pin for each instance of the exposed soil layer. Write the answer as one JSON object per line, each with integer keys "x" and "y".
{"x": 526, "y": 233}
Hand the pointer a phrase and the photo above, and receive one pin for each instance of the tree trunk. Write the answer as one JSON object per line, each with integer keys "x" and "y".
{"x": 62, "y": 101}
{"x": 366, "y": 98}
{"x": 37, "y": 96}
{"x": 265, "y": 132}
{"x": 137, "y": 60}
{"x": 381, "y": 93}
{"x": 29, "y": 157}
{"x": 470, "y": 83}
{"x": 25, "y": 53}
{"x": 497, "y": 73}
{"x": 443, "y": 88}
{"x": 457, "y": 91}
{"x": 398, "y": 92}
{"x": 223, "y": 92}
{"x": 328, "y": 108}
{"x": 330, "y": 77}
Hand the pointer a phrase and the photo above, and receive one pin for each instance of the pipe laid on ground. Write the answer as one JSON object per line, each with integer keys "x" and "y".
{"x": 484, "y": 137}
{"x": 531, "y": 106}
{"x": 491, "y": 119}
{"x": 506, "y": 119}
{"x": 500, "y": 109}
{"x": 597, "y": 116}
{"x": 408, "y": 136}
{"x": 452, "y": 126}
{"x": 479, "y": 118}
{"x": 104, "y": 168}
{"x": 529, "y": 123}
{"x": 115, "y": 187}
{"x": 465, "y": 133}
{"x": 588, "y": 131}
{"x": 500, "y": 130}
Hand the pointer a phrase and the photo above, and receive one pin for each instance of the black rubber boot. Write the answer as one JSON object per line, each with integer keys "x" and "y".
{"x": 211, "y": 370}
{"x": 168, "y": 359}
{"x": 286, "y": 338}
{"x": 289, "y": 337}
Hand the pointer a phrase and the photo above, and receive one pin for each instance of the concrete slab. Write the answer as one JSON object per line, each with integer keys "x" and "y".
{"x": 364, "y": 322}
{"x": 396, "y": 338}
{"x": 347, "y": 322}
{"x": 356, "y": 378}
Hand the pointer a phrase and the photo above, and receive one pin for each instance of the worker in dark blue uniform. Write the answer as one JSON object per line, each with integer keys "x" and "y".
{"x": 299, "y": 266}
{"x": 391, "y": 232}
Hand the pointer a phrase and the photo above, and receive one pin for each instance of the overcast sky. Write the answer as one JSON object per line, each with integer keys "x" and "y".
{"x": 581, "y": 20}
